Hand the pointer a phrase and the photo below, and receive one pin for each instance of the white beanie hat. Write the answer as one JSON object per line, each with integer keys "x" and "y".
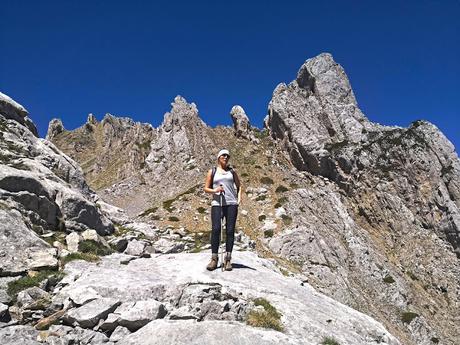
{"x": 223, "y": 152}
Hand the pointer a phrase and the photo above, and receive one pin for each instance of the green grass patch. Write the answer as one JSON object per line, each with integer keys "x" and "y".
{"x": 201, "y": 210}
{"x": 173, "y": 219}
{"x": 167, "y": 205}
{"x": 388, "y": 279}
{"x": 268, "y": 318}
{"x": 121, "y": 230}
{"x": 79, "y": 256}
{"x": 281, "y": 189}
{"x": 266, "y": 180}
{"x": 268, "y": 233}
{"x": 329, "y": 341}
{"x": 286, "y": 219}
{"x": 149, "y": 211}
{"x": 16, "y": 286}
{"x": 408, "y": 316}
{"x": 93, "y": 247}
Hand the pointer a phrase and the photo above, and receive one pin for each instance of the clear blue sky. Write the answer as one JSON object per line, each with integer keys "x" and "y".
{"x": 131, "y": 58}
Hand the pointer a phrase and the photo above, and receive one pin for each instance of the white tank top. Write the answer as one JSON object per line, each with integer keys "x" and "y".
{"x": 230, "y": 196}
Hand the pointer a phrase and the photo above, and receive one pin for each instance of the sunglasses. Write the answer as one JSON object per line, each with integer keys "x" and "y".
{"x": 225, "y": 155}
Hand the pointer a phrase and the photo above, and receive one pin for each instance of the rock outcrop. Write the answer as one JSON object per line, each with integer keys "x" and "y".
{"x": 389, "y": 192}
{"x": 42, "y": 191}
{"x": 241, "y": 123}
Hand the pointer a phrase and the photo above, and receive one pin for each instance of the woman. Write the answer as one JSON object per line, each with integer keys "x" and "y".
{"x": 224, "y": 183}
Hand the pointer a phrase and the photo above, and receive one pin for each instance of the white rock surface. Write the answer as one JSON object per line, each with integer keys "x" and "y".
{"x": 180, "y": 280}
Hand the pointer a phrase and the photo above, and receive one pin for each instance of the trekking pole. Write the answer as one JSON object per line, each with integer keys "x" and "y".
{"x": 222, "y": 230}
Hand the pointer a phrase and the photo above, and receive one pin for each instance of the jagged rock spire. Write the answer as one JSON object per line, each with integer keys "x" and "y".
{"x": 55, "y": 127}
{"x": 240, "y": 122}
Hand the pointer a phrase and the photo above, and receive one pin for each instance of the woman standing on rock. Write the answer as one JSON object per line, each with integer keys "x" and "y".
{"x": 223, "y": 182}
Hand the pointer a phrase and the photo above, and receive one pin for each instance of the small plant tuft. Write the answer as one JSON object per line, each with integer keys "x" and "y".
{"x": 268, "y": 318}
{"x": 408, "y": 316}
{"x": 388, "y": 279}
{"x": 148, "y": 211}
{"x": 93, "y": 247}
{"x": 268, "y": 233}
{"x": 266, "y": 180}
{"x": 201, "y": 210}
{"x": 261, "y": 197}
{"x": 281, "y": 189}
{"x": 173, "y": 219}
{"x": 262, "y": 217}
{"x": 79, "y": 256}
{"x": 329, "y": 341}
{"x": 16, "y": 286}
{"x": 286, "y": 219}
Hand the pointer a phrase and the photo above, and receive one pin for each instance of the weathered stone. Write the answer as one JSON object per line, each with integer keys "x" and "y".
{"x": 166, "y": 246}
{"x": 73, "y": 240}
{"x": 83, "y": 296}
{"x": 14, "y": 335}
{"x": 119, "y": 333}
{"x": 110, "y": 323}
{"x": 141, "y": 313}
{"x": 13, "y": 110}
{"x": 135, "y": 248}
{"x": 3, "y": 312}
{"x": 88, "y": 315}
{"x": 33, "y": 298}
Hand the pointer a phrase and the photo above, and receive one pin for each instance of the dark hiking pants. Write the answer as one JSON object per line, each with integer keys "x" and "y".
{"x": 230, "y": 213}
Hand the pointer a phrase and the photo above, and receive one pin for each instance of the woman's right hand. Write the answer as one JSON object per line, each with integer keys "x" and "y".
{"x": 219, "y": 189}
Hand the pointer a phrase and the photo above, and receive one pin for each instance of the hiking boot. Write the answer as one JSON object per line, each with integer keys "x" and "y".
{"x": 227, "y": 262}
{"x": 213, "y": 263}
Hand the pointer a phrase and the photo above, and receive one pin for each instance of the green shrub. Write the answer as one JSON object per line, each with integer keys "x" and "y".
{"x": 388, "y": 279}
{"x": 16, "y": 286}
{"x": 266, "y": 180}
{"x": 281, "y": 189}
{"x": 201, "y": 209}
{"x": 329, "y": 341}
{"x": 261, "y": 197}
{"x": 93, "y": 247}
{"x": 173, "y": 219}
{"x": 435, "y": 340}
{"x": 262, "y": 217}
{"x": 408, "y": 316}
{"x": 244, "y": 175}
{"x": 268, "y": 318}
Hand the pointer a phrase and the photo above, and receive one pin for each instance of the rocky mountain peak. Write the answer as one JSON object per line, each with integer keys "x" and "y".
{"x": 182, "y": 114}
{"x": 10, "y": 109}
{"x": 55, "y": 127}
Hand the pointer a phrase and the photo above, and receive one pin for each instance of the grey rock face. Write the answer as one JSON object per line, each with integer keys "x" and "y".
{"x": 382, "y": 194}
{"x": 55, "y": 127}
{"x": 13, "y": 110}
{"x": 241, "y": 122}
{"x": 41, "y": 189}
{"x": 315, "y": 110}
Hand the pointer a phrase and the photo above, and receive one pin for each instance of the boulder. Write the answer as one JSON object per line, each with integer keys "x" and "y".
{"x": 88, "y": 315}
{"x": 140, "y": 313}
